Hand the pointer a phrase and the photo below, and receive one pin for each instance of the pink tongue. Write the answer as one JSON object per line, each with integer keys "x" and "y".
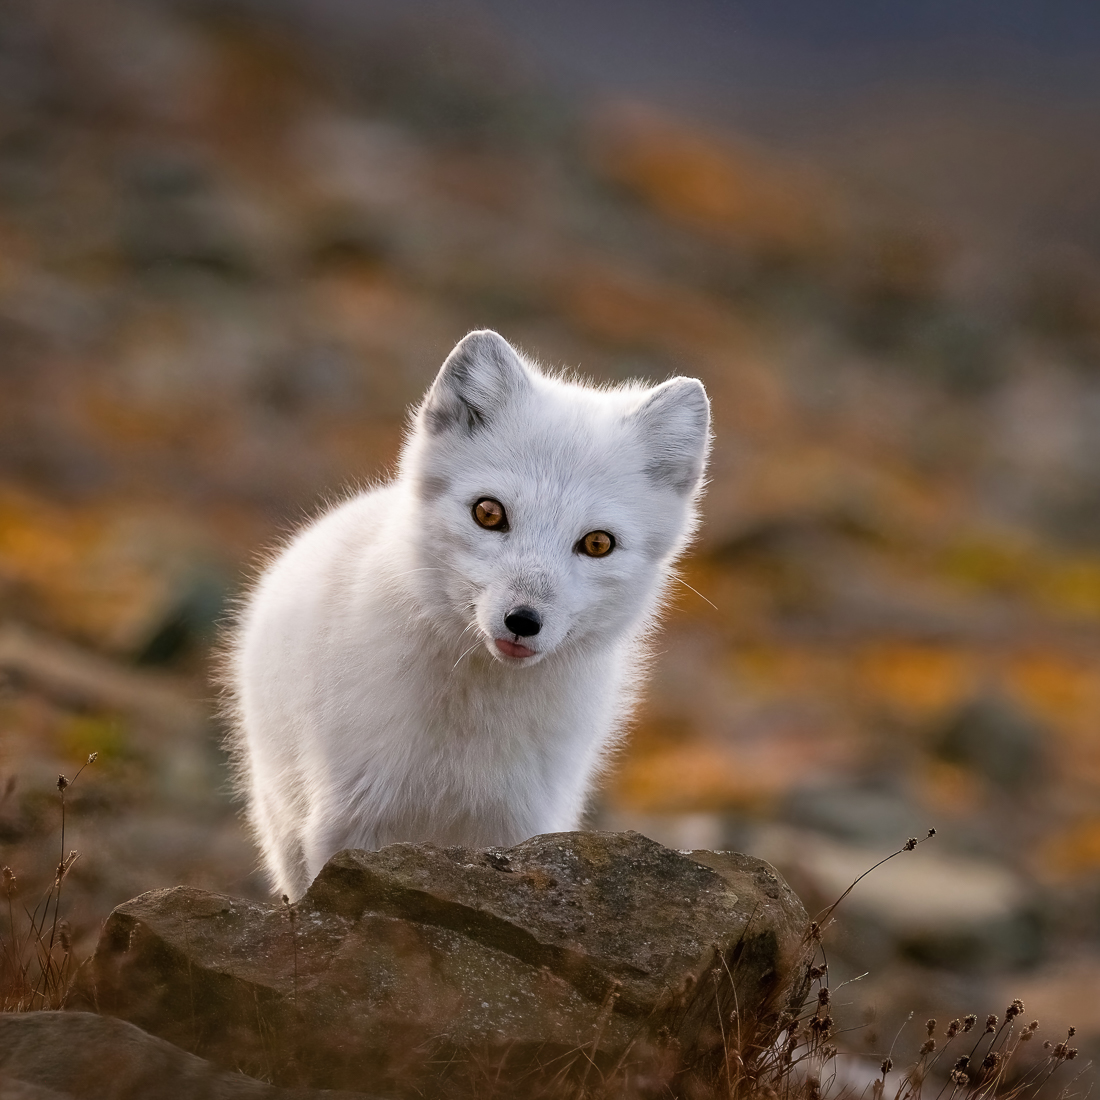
{"x": 513, "y": 649}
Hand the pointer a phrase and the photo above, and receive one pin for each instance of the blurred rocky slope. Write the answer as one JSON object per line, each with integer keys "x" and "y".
{"x": 232, "y": 252}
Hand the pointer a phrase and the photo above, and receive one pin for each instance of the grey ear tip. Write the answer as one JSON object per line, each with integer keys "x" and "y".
{"x": 682, "y": 383}
{"x": 487, "y": 346}
{"x": 485, "y": 337}
{"x": 692, "y": 393}
{"x": 694, "y": 385}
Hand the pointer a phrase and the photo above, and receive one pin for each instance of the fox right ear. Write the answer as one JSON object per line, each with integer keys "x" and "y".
{"x": 482, "y": 375}
{"x": 674, "y": 423}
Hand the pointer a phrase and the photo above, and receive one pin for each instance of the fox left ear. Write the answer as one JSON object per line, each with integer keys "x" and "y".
{"x": 674, "y": 422}
{"x": 478, "y": 378}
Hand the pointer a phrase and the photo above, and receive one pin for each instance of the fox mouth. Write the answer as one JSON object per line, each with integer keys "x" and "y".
{"x": 515, "y": 650}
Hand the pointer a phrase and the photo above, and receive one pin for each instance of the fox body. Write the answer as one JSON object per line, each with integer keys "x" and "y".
{"x": 449, "y": 657}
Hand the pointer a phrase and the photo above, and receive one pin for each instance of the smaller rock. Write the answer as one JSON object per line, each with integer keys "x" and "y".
{"x": 80, "y": 1056}
{"x": 938, "y": 907}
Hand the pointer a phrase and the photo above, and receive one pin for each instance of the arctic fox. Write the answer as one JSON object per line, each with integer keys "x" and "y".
{"x": 450, "y": 656}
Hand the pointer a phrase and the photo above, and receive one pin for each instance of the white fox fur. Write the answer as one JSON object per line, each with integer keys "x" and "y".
{"x": 373, "y": 700}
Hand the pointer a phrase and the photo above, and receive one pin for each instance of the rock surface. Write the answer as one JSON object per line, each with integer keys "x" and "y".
{"x": 412, "y": 964}
{"x": 78, "y": 1056}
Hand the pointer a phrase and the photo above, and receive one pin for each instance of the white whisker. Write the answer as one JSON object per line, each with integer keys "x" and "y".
{"x": 695, "y": 590}
{"x": 470, "y": 650}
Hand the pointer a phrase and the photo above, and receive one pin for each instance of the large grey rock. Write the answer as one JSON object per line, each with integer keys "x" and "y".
{"x": 78, "y": 1056}
{"x": 417, "y": 963}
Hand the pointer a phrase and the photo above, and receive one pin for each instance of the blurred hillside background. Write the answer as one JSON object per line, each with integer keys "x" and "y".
{"x": 237, "y": 240}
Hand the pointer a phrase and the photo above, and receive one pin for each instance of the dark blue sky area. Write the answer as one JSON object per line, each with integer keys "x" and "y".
{"x": 707, "y": 49}
{"x": 986, "y": 108}
{"x": 831, "y": 22}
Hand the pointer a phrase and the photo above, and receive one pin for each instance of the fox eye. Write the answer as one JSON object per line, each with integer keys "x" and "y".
{"x": 596, "y": 544}
{"x": 490, "y": 513}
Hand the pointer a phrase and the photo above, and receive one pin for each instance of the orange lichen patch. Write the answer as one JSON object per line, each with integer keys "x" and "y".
{"x": 623, "y": 308}
{"x": 702, "y": 775}
{"x": 1006, "y": 562}
{"x": 35, "y": 539}
{"x": 1000, "y": 563}
{"x": 808, "y": 478}
{"x": 782, "y": 672}
{"x": 371, "y": 311}
{"x": 482, "y": 178}
{"x": 917, "y": 681}
{"x": 101, "y": 573}
{"x": 1062, "y": 689}
{"x": 1072, "y": 587}
{"x": 692, "y": 777}
{"x": 120, "y": 426}
{"x": 254, "y": 83}
{"x": 712, "y": 185}
{"x": 1071, "y": 852}
{"x": 657, "y": 732}
{"x": 949, "y": 788}
{"x": 361, "y": 450}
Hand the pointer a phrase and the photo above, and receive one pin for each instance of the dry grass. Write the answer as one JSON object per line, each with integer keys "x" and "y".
{"x": 36, "y": 953}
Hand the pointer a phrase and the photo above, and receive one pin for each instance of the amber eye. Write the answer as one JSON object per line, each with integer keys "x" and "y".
{"x": 490, "y": 513}
{"x": 596, "y": 544}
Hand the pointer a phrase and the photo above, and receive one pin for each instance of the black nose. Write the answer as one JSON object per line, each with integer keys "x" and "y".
{"x": 524, "y": 621}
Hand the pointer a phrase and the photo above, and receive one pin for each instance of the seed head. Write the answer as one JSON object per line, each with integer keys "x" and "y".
{"x": 1015, "y": 1009}
{"x": 969, "y": 1022}
{"x": 823, "y": 995}
{"x": 9, "y": 881}
{"x": 62, "y": 783}
{"x": 928, "y": 1047}
{"x": 910, "y": 844}
{"x": 991, "y": 1023}
{"x": 953, "y": 1029}
{"x": 92, "y": 757}
{"x": 930, "y": 1027}
{"x": 887, "y": 1065}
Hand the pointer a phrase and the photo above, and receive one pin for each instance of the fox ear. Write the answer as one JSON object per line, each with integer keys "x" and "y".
{"x": 673, "y": 421}
{"x": 479, "y": 378}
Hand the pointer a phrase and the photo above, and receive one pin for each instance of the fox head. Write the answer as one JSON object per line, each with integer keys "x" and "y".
{"x": 549, "y": 513}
